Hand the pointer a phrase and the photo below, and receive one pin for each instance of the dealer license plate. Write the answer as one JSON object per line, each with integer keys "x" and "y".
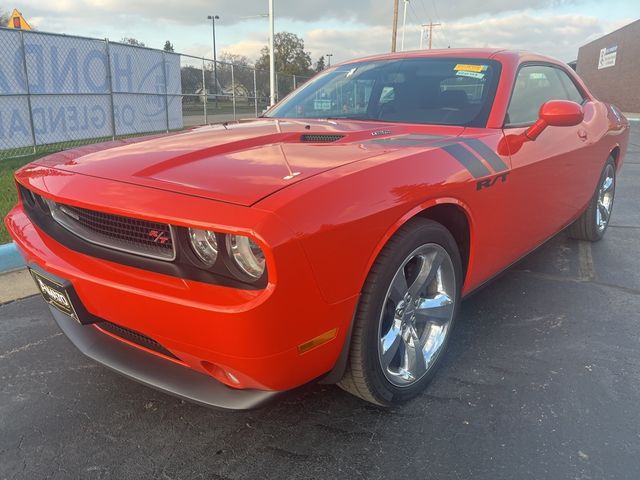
{"x": 54, "y": 293}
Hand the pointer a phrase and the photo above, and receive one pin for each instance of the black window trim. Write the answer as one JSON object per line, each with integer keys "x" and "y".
{"x": 537, "y": 63}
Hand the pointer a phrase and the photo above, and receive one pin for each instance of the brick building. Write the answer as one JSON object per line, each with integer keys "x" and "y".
{"x": 610, "y": 66}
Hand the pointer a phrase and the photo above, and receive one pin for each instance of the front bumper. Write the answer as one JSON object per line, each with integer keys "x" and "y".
{"x": 254, "y": 335}
{"x": 156, "y": 372}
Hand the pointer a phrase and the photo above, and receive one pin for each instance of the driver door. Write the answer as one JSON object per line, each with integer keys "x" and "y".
{"x": 550, "y": 176}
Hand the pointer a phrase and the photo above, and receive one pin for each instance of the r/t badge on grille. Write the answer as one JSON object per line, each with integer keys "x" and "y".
{"x": 159, "y": 237}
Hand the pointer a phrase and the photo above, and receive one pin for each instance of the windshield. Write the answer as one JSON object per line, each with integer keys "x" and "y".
{"x": 442, "y": 91}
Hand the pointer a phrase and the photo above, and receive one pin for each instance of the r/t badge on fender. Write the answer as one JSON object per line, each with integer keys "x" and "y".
{"x": 490, "y": 182}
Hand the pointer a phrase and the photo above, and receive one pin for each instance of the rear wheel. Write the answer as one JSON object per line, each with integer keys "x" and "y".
{"x": 593, "y": 223}
{"x": 405, "y": 315}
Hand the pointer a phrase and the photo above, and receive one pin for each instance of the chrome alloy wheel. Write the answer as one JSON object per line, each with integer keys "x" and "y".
{"x": 416, "y": 315}
{"x": 605, "y": 198}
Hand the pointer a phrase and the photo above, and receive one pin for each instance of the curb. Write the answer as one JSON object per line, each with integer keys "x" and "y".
{"x": 10, "y": 258}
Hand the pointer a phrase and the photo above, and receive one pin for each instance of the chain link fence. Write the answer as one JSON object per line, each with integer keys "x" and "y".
{"x": 218, "y": 91}
{"x": 59, "y": 91}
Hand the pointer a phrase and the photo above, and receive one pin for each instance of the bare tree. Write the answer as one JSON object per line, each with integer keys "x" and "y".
{"x": 132, "y": 41}
{"x": 4, "y": 18}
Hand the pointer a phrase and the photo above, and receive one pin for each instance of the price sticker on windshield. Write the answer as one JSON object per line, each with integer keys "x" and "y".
{"x": 464, "y": 73}
{"x": 463, "y": 67}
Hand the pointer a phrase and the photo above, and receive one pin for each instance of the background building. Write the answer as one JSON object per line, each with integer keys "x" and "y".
{"x": 610, "y": 66}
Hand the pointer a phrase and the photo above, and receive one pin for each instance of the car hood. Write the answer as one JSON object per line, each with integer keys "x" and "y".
{"x": 240, "y": 163}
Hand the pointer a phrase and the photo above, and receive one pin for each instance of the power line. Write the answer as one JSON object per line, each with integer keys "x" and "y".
{"x": 434, "y": 15}
{"x": 424, "y": 9}
{"x": 416, "y": 17}
{"x": 430, "y": 17}
{"x": 414, "y": 14}
{"x": 445, "y": 28}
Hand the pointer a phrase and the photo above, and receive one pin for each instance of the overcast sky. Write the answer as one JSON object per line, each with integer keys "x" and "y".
{"x": 346, "y": 28}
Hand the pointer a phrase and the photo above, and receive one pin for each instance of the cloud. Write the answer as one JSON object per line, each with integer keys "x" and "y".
{"x": 345, "y": 44}
{"x": 368, "y": 12}
{"x": 247, "y": 48}
{"x": 347, "y": 29}
{"x": 558, "y": 36}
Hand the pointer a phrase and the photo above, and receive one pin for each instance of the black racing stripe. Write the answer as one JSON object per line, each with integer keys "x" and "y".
{"x": 485, "y": 152}
{"x": 467, "y": 159}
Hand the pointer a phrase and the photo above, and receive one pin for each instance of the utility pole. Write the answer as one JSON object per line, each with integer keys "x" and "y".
{"x": 394, "y": 27}
{"x": 404, "y": 24}
{"x": 431, "y": 25}
{"x": 272, "y": 59}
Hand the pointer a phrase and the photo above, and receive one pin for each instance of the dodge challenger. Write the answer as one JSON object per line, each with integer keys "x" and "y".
{"x": 331, "y": 240}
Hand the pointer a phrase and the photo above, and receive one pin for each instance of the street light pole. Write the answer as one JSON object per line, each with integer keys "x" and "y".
{"x": 272, "y": 60}
{"x": 404, "y": 24}
{"x": 213, "y": 19}
{"x": 329, "y": 55}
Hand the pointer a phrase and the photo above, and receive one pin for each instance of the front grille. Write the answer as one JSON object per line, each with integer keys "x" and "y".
{"x": 135, "y": 337}
{"x": 131, "y": 235}
{"x": 320, "y": 138}
{"x": 125, "y": 240}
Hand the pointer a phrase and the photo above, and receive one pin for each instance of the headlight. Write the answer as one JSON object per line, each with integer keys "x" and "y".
{"x": 204, "y": 245}
{"x": 246, "y": 255}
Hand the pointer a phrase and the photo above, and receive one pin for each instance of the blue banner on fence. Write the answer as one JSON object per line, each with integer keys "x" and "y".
{"x": 70, "y": 83}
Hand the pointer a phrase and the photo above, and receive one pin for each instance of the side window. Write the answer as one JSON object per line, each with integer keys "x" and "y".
{"x": 535, "y": 85}
{"x": 572, "y": 91}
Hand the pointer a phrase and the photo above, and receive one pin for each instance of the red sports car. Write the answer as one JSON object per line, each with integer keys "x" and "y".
{"x": 333, "y": 239}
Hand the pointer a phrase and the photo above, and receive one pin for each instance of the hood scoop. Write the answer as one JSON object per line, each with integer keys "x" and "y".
{"x": 320, "y": 138}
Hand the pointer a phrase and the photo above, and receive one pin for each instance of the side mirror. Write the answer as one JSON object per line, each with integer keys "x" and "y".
{"x": 555, "y": 113}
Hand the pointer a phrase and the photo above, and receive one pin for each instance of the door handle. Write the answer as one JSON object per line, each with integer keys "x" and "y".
{"x": 582, "y": 134}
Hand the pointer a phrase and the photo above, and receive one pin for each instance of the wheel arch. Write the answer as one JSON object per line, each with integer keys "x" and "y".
{"x": 456, "y": 217}
{"x": 451, "y": 213}
{"x": 615, "y": 154}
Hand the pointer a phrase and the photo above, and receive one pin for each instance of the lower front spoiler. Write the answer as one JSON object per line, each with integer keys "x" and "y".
{"x": 156, "y": 372}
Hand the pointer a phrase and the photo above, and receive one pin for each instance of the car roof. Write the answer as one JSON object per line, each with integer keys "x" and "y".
{"x": 513, "y": 57}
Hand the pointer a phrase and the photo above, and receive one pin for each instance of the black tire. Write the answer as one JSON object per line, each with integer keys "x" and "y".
{"x": 587, "y": 227}
{"x": 364, "y": 376}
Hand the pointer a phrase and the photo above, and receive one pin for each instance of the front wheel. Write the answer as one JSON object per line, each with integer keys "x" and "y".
{"x": 593, "y": 223}
{"x": 405, "y": 315}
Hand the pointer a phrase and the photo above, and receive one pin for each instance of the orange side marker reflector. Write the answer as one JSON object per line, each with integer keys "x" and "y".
{"x": 317, "y": 341}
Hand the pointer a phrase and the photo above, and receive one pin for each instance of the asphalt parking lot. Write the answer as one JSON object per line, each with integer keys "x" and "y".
{"x": 542, "y": 381}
